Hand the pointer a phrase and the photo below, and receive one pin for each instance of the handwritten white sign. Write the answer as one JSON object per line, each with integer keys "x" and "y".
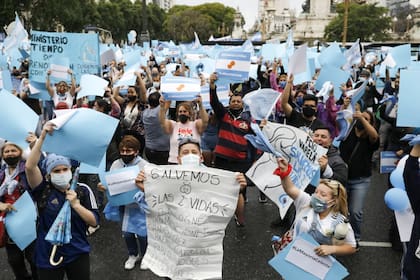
{"x": 189, "y": 211}
{"x": 302, "y": 255}
{"x": 121, "y": 180}
{"x": 302, "y": 153}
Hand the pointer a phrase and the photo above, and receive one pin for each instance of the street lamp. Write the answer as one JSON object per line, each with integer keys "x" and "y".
{"x": 394, "y": 23}
{"x": 409, "y": 18}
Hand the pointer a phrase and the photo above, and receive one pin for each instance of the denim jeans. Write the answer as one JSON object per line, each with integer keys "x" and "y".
{"x": 131, "y": 242}
{"x": 356, "y": 194}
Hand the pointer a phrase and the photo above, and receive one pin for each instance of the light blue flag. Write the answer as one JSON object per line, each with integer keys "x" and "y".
{"x": 6, "y": 80}
{"x": 3, "y": 61}
{"x": 91, "y": 85}
{"x": 155, "y": 43}
{"x": 308, "y": 74}
{"x": 261, "y": 102}
{"x": 82, "y": 49}
{"x": 180, "y": 88}
{"x": 42, "y": 94}
{"x": 233, "y": 66}
{"x": 408, "y": 100}
{"x": 59, "y": 66}
{"x": 288, "y": 270}
{"x": 86, "y": 135}
{"x": 90, "y": 169}
{"x": 402, "y": 55}
{"x": 332, "y": 56}
{"x": 17, "y": 119}
{"x": 271, "y": 51}
{"x": 222, "y": 94}
{"x": 131, "y": 58}
{"x": 206, "y": 66}
{"x": 21, "y": 224}
{"x": 121, "y": 198}
{"x": 146, "y": 46}
{"x": 334, "y": 75}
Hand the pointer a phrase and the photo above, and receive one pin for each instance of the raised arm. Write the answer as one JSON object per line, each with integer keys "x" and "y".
{"x": 48, "y": 84}
{"x": 215, "y": 104}
{"x": 73, "y": 83}
{"x": 142, "y": 86}
{"x": 117, "y": 96}
{"x": 283, "y": 171}
{"x": 286, "y": 107}
{"x": 164, "y": 122}
{"x": 202, "y": 123}
{"x": 33, "y": 173}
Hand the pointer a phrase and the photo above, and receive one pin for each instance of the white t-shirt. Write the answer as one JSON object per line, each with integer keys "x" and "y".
{"x": 304, "y": 218}
{"x": 66, "y": 98}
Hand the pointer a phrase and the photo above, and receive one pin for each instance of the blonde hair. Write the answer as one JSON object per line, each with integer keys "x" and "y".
{"x": 339, "y": 193}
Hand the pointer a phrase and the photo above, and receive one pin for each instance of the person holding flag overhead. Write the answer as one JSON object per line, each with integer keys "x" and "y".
{"x": 62, "y": 95}
{"x": 50, "y": 189}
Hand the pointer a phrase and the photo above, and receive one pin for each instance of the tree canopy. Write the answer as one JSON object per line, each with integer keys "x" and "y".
{"x": 367, "y": 22}
{"x": 121, "y": 16}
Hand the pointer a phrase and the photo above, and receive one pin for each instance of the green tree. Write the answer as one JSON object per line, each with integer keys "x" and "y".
{"x": 206, "y": 20}
{"x": 367, "y": 22}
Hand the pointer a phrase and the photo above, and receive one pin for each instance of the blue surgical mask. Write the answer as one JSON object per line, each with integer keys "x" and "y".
{"x": 299, "y": 101}
{"x": 282, "y": 84}
{"x": 319, "y": 205}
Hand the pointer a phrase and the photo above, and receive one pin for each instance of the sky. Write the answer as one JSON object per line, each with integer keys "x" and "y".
{"x": 248, "y": 8}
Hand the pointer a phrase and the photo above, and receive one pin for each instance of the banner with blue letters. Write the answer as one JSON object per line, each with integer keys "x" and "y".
{"x": 81, "y": 49}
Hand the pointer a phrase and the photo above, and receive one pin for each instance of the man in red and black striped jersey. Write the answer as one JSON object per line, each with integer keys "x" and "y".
{"x": 233, "y": 152}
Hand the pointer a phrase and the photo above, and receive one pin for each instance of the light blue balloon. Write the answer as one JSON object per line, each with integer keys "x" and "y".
{"x": 396, "y": 199}
{"x": 397, "y": 179}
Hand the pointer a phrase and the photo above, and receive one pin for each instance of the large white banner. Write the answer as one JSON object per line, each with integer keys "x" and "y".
{"x": 189, "y": 211}
{"x": 302, "y": 153}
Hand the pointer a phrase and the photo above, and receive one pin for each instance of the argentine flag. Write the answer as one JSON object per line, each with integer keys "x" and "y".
{"x": 180, "y": 88}
{"x": 233, "y": 66}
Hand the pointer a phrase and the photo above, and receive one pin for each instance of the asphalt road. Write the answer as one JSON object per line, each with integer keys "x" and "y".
{"x": 247, "y": 250}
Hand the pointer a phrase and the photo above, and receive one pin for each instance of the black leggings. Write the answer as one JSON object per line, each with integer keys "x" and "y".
{"x": 79, "y": 269}
{"x": 16, "y": 259}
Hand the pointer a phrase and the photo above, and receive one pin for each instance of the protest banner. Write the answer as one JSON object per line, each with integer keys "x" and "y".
{"x": 302, "y": 153}
{"x": 189, "y": 211}
{"x": 408, "y": 100}
{"x": 81, "y": 49}
{"x": 388, "y": 162}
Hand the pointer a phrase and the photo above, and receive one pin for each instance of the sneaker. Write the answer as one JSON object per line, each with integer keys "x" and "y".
{"x": 262, "y": 198}
{"x": 143, "y": 266}
{"x": 91, "y": 230}
{"x": 131, "y": 262}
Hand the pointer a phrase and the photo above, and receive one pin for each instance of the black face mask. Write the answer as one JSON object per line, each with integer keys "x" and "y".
{"x": 359, "y": 125}
{"x": 12, "y": 161}
{"x": 131, "y": 97}
{"x": 308, "y": 112}
{"x": 127, "y": 158}
{"x": 183, "y": 118}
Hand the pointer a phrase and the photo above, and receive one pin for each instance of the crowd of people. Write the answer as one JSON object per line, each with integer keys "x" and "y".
{"x": 160, "y": 131}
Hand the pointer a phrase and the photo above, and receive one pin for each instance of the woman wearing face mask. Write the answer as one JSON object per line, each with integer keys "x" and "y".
{"x": 50, "y": 192}
{"x": 13, "y": 184}
{"x": 322, "y": 215}
{"x": 184, "y": 127}
{"x": 132, "y": 107}
{"x": 133, "y": 218}
{"x": 356, "y": 150}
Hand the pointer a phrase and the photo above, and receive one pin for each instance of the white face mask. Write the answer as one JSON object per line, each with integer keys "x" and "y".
{"x": 156, "y": 85}
{"x": 191, "y": 160}
{"x": 61, "y": 180}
